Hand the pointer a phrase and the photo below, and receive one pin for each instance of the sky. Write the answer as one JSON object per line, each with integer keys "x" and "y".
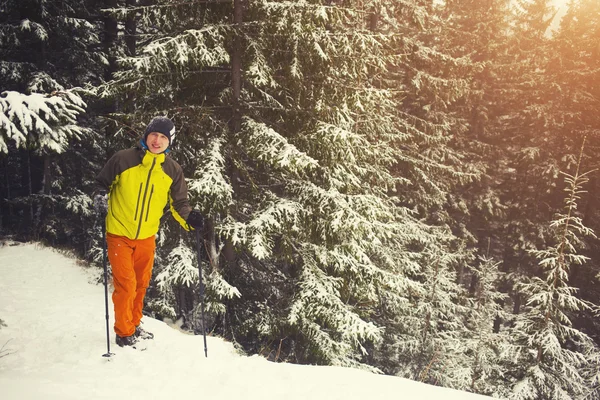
{"x": 561, "y": 8}
{"x": 53, "y": 339}
{"x": 560, "y": 3}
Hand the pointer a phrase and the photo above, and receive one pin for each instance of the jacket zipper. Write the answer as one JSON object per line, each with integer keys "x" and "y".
{"x": 137, "y": 205}
{"x": 144, "y": 199}
{"x": 149, "y": 201}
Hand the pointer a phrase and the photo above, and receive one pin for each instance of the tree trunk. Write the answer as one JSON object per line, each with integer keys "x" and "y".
{"x": 47, "y": 180}
{"x": 474, "y": 283}
{"x": 235, "y": 124}
{"x": 110, "y": 38}
{"x": 109, "y": 42}
{"x": 45, "y": 190}
{"x": 211, "y": 245}
{"x": 5, "y": 196}
{"x": 29, "y": 186}
{"x": 2, "y": 196}
{"x": 503, "y": 287}
{"x": 130, "y": 29}
{"x": 131, "y": 44}
{"x": 517, "y": 304}
{"x": 591, "y": 197}
{"x": 236, "y": 67}
{"x": 236, "y": 117}
{"x": 374, "y": 19}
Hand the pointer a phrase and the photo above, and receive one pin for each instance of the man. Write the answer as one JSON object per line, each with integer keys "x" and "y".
{"x": 140, "y": 183}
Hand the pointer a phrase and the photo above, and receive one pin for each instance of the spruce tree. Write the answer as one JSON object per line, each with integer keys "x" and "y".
{"x": 551, "y": 356}
{"x": 48, "y": 49}
{"x": 476, "y": 34}
{"x": 289, "y": 133}
{"x": 425, "y": 329}
{"x": 486, "y": 366}
{"x": 575, "y": 74}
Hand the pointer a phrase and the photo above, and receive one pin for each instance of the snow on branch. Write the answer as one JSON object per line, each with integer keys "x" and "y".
{"x": 38, "y": 30}
{"x": 337, "y": 136}
{"x": 202, "y": 47}
{"x": 43, "y": 122}
{"x": 259, "y": 72}
{"x": 180, "y": 269}
{"x": 348, "y": 215}
{"x": 78, "y": 203}
{"x": 255, "y": 234}
{"x": 546, "y": 329}
{"x": 267, "y": 145}
{"x": 321, "y": 311}
{"x": 210, "y": 182}
{"x": 216, "y": 284}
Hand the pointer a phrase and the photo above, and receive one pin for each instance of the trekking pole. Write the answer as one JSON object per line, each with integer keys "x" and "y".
{"x": 198, "y": 245}
{"x": 108, "y": 353}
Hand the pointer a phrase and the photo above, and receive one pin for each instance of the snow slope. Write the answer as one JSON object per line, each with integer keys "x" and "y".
{"x": 55, "y": 336}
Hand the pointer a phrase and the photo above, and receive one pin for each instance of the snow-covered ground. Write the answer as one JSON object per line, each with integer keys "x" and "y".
{"x": 55, "y": 336}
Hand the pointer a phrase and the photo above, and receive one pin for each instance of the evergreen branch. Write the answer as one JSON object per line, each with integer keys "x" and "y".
{"x": 575, "y": 182}
{"x": 124, "y": 11}
{"x": 5, "y": 352}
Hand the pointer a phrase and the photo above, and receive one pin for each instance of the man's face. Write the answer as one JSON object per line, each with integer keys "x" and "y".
{"x": 157, "y": 142}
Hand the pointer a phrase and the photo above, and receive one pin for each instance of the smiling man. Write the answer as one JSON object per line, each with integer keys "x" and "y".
{"x": 137, "y": 184}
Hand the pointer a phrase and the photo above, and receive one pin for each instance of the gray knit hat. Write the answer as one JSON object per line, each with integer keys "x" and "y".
{"x": 163, "y": 125}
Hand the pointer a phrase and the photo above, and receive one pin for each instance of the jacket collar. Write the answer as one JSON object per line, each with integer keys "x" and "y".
{"x": 149, "y": 158}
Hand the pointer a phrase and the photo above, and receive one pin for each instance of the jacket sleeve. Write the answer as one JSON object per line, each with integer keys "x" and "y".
{"x": 178, "y": 198}
{"x": 107, "y": 176}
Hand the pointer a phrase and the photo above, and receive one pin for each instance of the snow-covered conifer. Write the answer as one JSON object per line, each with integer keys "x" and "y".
{"x": 36, "y": 121}
{"x": 48, "y": 48}
{"x": 551, "y": 355}
{"x": 484, "y": 343}
{"x": 299, "y": 184}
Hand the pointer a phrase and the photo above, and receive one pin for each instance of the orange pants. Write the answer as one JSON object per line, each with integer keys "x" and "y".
{"x": 131, "y": 262}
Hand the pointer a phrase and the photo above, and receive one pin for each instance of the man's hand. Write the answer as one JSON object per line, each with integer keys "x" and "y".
{"x": 101, "y": 203}
{"x": 195, "y": 220}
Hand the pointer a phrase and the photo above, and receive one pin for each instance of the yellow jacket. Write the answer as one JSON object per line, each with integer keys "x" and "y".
{"x": 140, "y": 185}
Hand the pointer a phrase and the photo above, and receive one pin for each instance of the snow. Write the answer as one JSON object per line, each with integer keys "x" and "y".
{"x": 54, "y": 338}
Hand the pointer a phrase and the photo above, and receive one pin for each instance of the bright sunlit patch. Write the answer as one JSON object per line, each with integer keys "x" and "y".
{"x": 560, "y": 3}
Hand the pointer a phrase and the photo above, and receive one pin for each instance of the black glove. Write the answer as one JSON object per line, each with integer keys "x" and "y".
{"x": 101, "y": 203}
{"x": 195, "y": 220}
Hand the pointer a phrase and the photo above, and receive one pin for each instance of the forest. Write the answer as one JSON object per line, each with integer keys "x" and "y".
{"x": 404, "y": 186}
